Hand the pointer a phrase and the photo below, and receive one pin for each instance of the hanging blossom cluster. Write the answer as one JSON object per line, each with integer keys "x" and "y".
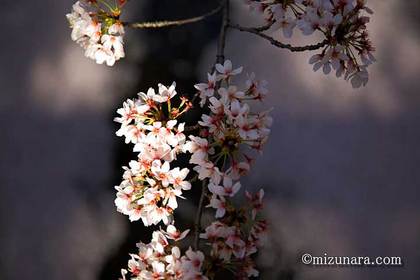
{"x": 221, "y": 148}
{"x": 160, "y": 260}
{"x": 222, "y": 145}
{"x": 230, "y": 131}
{"x": 345, "y": 50}
{"x": 222, "y": 153}
{"x": 150, "y": 187}
{"x": 235, "y": 237}
{"x": 97, "y": 29}
{"x": 348, "y": 49}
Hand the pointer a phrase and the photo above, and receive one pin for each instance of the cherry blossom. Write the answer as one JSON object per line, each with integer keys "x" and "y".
{"x": 232, "y": 239}
{"x": 231, "y": 127}
{"x": 192, "y": 264}
{"x": 230, "y": 132}
{"x": 342, "y": 23}
{"x": 174, "y": 234}
{"x": 206, "y": 90}
{"x": 218, "y": 203}
{"x": 98, "y": 32}
{"x": 150, "y": 186}
{"x": 227, "y": 189}
{"x": 160, "y": 260}
{"x": 222, "y": 144}
{"x": 226, "y": 70}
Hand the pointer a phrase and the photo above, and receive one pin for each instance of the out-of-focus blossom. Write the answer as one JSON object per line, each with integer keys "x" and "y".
{"x": 229, "y": 132}
{"x": 236, "y": 235}
{"x": 343, "y": 24}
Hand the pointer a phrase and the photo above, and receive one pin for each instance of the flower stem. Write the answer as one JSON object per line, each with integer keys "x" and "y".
{"x": 220, "y": 57}
{"x": 168, "y": 23}
{"x": 258, "y": 32}
{"x": 197, "y": 223}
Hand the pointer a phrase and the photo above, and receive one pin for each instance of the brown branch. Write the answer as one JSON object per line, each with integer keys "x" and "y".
{"x": 192, "y": 128}
{"x": 258, "y": 32}
{"x": 168, "y": 23}
{"x": 220, "y": 57}
{"x": 197, "y": 222}
{"x": 264, "y": 27}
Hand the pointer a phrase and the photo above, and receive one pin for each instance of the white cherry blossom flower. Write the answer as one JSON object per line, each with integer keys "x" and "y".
{"x": 206, "y": 90}
{"x": 191, "y": 263}
{"x": 228, "y": 189}
{"x": 230, "y": 94}
{"x": 116, "y": 29}
{"x": 174, "y": 234}
{"x": 218, "y": 203}
{"x": 114, "y": 44}
{"x": 177, "y": 178}
{"x": 165, "y": 93}
{"x": 226, "y": 70}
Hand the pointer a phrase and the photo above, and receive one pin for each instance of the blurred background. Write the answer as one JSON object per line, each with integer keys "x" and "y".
{"x": 341, "y": 169}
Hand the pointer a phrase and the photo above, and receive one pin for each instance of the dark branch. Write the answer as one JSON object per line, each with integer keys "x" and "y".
{"x": 197, "y": 222}
{"x": 220, "y": 58}
{"x": 168, "y": 23}
{"x": 258, "y": 32}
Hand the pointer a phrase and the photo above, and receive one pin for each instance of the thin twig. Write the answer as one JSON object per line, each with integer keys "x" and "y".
{"x": 192, "y": 128}
{"x": 168, "y": 23}
{"x": 257, "y": 31}
{"x": 197, "y": 222}
{"x": 220, "y": 57}
{"x": 264, "y": 27}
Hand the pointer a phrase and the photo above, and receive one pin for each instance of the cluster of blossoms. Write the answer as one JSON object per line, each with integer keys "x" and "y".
{"x": 237, "y": 236}
{"x": 229, "y": 130}
{"x": 221, "y": 145}
{"x": 348, "y": 49}
{"x": 98, "y": 30}
{"x": 150, "y": 187}
{"x": 221, "y": 155}
{"x": 160, "y": 260}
